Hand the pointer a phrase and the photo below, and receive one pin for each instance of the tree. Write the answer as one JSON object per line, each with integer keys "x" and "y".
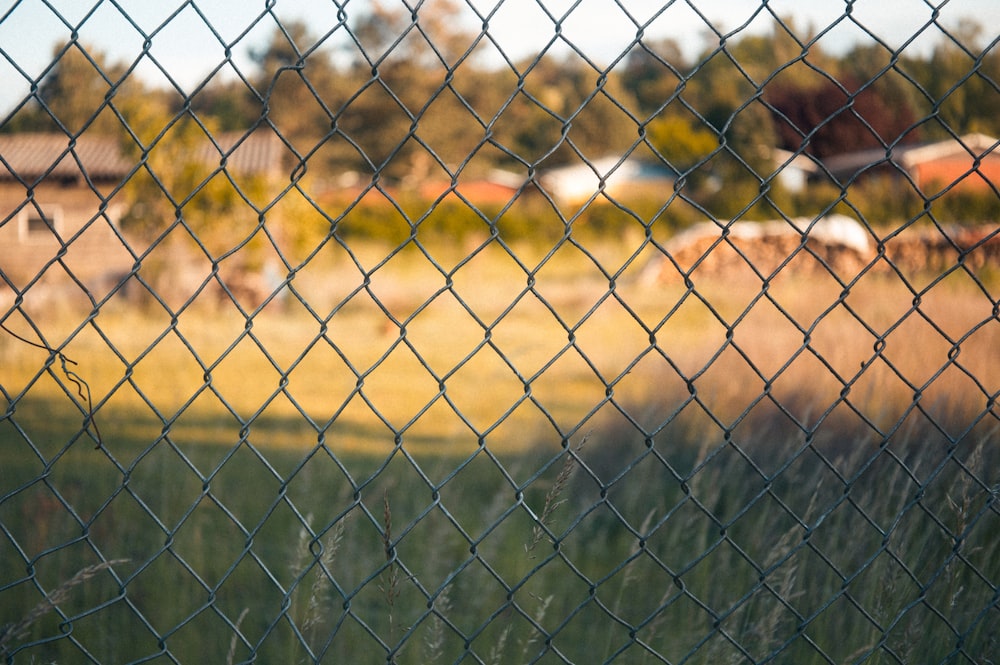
{"x": 725, "y": 92}
{"x": 653, "y": 74}
{"x": 432, "y": 35}
{"x": 410, "y": 69}
{"x": 176, "y": 183}
{"x": 681, "y": 141}
{"x": 564, "y": 106}
{"x": 839, "y": 117}
{"x": 74, "y": 94}
{"x": 231, "y": 105}
{"x": 297, "y": 88}
{"x": 960, "y": 80}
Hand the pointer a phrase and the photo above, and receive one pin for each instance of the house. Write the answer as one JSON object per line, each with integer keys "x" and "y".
{"x": 57, "y": 197}
{"x": 971, "y": 162}
{"x": 795, "y": 170}
{"x": 934, "y": 166}
{"x": 61, "y": 200}
{"x": 615, "y": 176}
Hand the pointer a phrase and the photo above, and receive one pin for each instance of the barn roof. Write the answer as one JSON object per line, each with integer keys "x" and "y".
{"x": 969, "y": 145}
{"x": 257, "y": 153}
{"x": 851, "y": 164}
{"x": 32, "y": 156}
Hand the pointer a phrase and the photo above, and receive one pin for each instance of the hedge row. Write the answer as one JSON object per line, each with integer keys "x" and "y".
{"x": 534, "y": 218}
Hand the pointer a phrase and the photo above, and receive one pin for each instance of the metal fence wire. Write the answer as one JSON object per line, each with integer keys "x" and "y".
{"x": 379, "y": 332}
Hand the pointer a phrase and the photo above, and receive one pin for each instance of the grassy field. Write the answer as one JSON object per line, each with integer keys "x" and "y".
{"x": 508, "y": 461}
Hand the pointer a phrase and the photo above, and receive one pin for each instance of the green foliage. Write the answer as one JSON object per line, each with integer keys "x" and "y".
{"x": 529, "y": 219}
{"x": 378, "y": 549}
{"x": 884, "y": 201}
{"x": 73, "y": 95}
{"x": 680, "y": 141}
{"x": 180, "y": 183}
{"x": 964, "y": 206}
{"x": 418, "y": 111}
{"x": 373, "y": 218}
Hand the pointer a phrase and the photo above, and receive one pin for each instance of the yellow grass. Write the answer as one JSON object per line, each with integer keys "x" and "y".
{"x": 549, "y": 347}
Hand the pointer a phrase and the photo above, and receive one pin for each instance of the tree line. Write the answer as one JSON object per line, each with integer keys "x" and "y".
{"x": 407, "y": 98}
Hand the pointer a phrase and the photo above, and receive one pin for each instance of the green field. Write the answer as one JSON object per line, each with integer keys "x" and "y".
{"x": 503, "y": 462}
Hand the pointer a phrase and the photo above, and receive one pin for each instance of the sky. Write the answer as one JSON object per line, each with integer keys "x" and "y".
{"x": 188, "y": 40}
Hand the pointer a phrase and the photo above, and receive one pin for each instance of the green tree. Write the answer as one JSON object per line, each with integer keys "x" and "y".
{"x": 564, "y": 106}
{"x": 297, "y": 89}
{"x": 726, "y": 92}
{"x": 230, "y": 104}
{"x": 415, "y": 84}
{"x": 654, "y": 73}
{"x": 681, "y": 141}
{"x": 959, "y": 83}
{"x": 178, "y": 183}
{"x": 73, "y": 94}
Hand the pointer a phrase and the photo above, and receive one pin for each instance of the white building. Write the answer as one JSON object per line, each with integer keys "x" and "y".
{"x": 615, "y": 176}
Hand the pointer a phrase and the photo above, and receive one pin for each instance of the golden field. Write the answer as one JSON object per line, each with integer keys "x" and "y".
{"x": 444, "y": 350}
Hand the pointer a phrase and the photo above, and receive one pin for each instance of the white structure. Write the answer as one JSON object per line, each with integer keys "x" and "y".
{"x": 836, "y": 230}
{"x": 613, "y": 175}
{"x": 764, "y": 242}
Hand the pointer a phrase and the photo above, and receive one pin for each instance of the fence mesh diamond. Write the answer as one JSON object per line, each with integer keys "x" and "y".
{"x": 521, "y": 332}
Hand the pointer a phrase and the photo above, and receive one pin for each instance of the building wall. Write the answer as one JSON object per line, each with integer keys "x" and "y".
{"x": 933, "y": 176}
{"x": 93, "y": 252}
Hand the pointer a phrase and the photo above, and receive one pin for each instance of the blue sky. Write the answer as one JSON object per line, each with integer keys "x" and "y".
{"x": 187, "y": 49}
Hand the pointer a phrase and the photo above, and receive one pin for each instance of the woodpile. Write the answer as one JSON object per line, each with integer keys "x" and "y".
{"x": 929, "y": 250}
{"x": 836, "y": 244}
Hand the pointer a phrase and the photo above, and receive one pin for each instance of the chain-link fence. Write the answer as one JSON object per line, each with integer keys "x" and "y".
{"x": 459, "y": 331}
